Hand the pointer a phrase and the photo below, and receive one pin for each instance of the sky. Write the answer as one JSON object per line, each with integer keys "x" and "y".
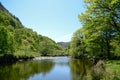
{"x": 57, "y": 19}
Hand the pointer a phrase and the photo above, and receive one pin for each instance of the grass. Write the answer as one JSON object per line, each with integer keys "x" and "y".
{"x": 113, "y": 66}
{"x": 112, "y": 70}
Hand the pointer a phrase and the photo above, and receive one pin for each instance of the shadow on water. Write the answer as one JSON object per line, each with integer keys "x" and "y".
{"x": 85, "y": 70}
{"x": 80, "y": 69}
{"x": 60, "y": 69}
{"x": 23, "y": 70}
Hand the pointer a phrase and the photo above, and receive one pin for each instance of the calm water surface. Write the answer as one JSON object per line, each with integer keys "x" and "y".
{"x": 62, "y": 68}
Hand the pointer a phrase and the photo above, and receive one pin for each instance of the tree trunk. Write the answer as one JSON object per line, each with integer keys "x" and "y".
{"x": 108, "y": 44}
{"x": 108, "y": 48}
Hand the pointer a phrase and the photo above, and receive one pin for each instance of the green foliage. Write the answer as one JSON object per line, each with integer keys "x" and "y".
{"x": 3, "y": 40}
{"x": 6, "y": 41}
{"x": 112, "y": 70}
{"x": 22, "y": 42}
{"x": 77, "y": 46}
{"x": 64, "y": 44}
{"x": 84, "y": 70}
{"x": 101, "y": 30}
{"x": 49, "y": 48}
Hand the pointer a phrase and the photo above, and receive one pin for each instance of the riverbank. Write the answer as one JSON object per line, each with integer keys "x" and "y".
{"x": 43, "y": 58}
{"x": 12, "y": 59}
{"x": 113, "y": 69}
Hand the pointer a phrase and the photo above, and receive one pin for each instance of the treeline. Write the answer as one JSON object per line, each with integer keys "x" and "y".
{"x": 100, "y": 35}
{"x": 64, "y": 44}
{"x": 17, "y": 41}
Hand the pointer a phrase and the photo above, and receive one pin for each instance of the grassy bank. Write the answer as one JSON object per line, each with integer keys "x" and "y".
{"x": 105, "y": 70}
{"x": 112, "y": 70}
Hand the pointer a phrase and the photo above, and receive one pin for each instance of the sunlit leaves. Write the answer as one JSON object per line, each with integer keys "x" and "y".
{"x": 101, "y": 29}
{"x": 6, "y": 41}
{"x": 20, "y": 41}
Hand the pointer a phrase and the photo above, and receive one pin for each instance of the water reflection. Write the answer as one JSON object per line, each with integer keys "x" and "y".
{"x": 62, "y": 68}
{"x": 23, "y": 70}
{"x": 60, "y": 71}
{"x": 80, "y": 69}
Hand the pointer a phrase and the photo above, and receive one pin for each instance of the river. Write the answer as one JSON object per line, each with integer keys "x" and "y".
{"x": 61, "y": 68}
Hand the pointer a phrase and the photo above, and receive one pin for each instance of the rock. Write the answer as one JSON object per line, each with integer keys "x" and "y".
{"x": 98, "y": 70}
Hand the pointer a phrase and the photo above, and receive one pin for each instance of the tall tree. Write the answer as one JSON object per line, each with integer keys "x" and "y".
{"x": 102, "y": 23}
{"x": 101, "y": 29}
{"x": 77, "y": 46}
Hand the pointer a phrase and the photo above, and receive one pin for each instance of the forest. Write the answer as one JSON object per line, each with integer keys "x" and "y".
{"x": 18, "y": 42}
{"x": 99, "y": 37}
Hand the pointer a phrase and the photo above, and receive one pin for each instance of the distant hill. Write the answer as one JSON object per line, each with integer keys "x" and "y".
{"x": 64, "y": 44}
{"x": 19, "y": 41}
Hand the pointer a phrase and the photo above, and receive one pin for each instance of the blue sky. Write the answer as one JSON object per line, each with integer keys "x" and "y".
{"x": 57, "y": 19}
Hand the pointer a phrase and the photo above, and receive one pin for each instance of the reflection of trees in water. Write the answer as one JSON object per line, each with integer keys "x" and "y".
{"x": 84, "y": 70}
{"x": 23, "y": 70}
{"x": 80, "y": 69}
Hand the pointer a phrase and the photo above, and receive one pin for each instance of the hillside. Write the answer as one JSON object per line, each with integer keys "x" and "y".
{"x": 20, "y": 42}
{"x": 64, "y": 44}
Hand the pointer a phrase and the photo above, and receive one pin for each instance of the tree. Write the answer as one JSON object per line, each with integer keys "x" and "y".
{"x": 101, "y": 28}
{"x": 3, "y": 40}
{"x": 6, "y": 41}
{"x": 77, "y": 46}
{"x": 22, "y": 42}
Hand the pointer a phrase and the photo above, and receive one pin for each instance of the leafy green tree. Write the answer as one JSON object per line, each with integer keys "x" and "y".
{"x": 77, "y": 45}
{"x": 101, "y": 20}
{"x": 3, "y": 40}
{"x": 22, "y": 42}
{"x": 101, "y": 28}
{"x": 6, "y": 41}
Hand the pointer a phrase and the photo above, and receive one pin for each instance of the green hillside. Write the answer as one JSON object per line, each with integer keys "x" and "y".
{"x": 64, "y": 44}
{"x": 17, "y": 41}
